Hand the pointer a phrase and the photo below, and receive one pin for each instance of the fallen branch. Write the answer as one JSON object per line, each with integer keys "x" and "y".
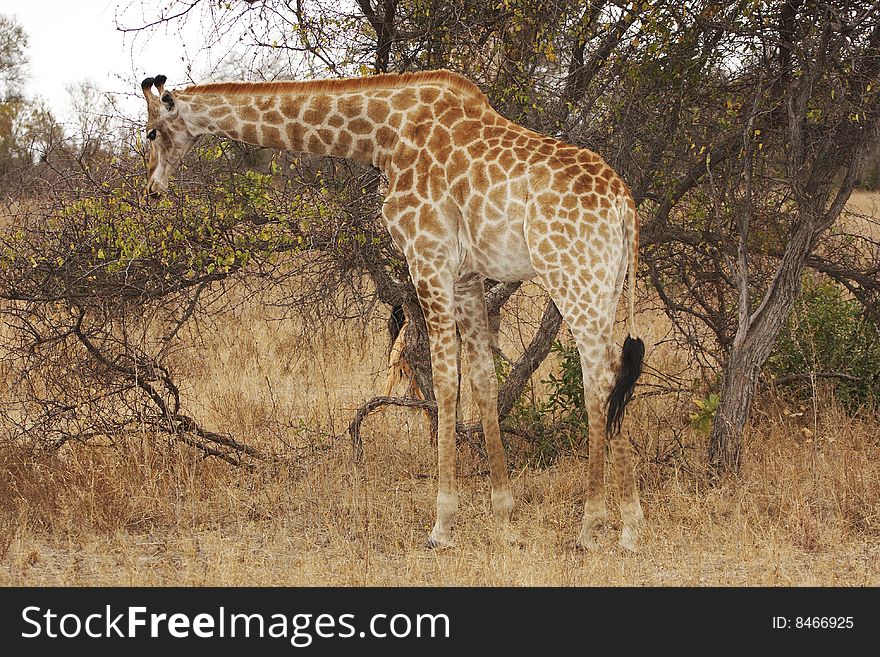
{"x": 188, "y": 425}
{"x": 354, "y": 428}
{"x": 464, "y": 431}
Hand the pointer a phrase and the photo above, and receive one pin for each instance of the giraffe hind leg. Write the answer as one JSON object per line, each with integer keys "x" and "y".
{"x": 606, "y": 410}
{"x": 603, "y": 369}
{"x": 595, "y": 379}
{"x": 630, "y": 507}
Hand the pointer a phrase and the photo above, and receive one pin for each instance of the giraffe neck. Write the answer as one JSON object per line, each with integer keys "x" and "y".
{"x": 357, "y": 125}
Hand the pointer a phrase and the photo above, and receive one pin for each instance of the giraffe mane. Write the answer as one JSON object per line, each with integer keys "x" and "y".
{"x": 441, "y": 77}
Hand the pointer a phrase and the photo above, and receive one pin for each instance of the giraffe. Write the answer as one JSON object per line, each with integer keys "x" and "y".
{"x": 471, "y": 195}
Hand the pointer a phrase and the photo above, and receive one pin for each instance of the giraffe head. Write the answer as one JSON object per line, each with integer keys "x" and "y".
{"x": 168, "y": 135}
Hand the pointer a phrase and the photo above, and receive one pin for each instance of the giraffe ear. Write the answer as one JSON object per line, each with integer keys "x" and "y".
{"x": 168, "y": 100}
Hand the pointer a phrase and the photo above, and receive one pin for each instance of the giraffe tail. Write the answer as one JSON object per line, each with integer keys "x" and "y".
{"x": 633, "y": 347}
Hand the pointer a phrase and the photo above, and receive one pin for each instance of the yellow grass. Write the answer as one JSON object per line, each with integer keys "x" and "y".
{"x": 806, "y": 510}
{"x": 863, "y": 214}
{"x": 148, "y": 513}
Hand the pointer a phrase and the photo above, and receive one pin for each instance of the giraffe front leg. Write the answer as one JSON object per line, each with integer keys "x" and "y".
{"x": 444, "y": 366}
{"x": 447, "y": 495}
{"x": 441, "y": 533}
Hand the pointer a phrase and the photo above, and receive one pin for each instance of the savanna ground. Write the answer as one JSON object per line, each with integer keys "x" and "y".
{"x": 139, "y": 510}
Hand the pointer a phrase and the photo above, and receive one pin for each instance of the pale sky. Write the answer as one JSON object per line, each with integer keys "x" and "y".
{"x": 77, "y": 40}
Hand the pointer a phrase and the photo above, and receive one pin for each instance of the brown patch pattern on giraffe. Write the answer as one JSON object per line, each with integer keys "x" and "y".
{"x": 470, "y": 195}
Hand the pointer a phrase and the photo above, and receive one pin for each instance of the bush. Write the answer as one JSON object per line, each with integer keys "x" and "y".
{"x": 96, "y": 286}
{"x": 704, "y": 415}
{"x": 566, "y": 398}
{"x": 557, "y": 424}
{"x": 828, "y": 336}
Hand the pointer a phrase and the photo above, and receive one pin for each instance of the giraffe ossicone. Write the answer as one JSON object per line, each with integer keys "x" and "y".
{"x": 471, "y": 195}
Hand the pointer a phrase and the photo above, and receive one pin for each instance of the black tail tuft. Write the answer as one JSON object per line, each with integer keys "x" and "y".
{"x": 630, "y": 369}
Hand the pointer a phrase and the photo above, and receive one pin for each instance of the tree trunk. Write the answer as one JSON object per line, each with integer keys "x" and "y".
{"x": 737, "y": 392}
{"x": 531, "y": 359}
{"x": 752, "y": 345}
{"x": 757, "y": 333}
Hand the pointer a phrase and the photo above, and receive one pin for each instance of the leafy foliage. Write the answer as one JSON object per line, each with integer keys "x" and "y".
{"x": 829, "y": 334}
{"x": 557, "y": 421}
{"x": 704, "y": 416}
{"x": 95, "y": 284}
{"x": 566, "y": 391}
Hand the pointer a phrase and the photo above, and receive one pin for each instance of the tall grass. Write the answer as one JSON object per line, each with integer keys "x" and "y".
{"x": 141, "y": 510}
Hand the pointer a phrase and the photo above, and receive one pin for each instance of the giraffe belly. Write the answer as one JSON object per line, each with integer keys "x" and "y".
{"x": 501, "y": 255}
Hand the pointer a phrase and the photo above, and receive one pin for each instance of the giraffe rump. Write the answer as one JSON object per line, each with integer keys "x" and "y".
{"x": 630, "y": 369}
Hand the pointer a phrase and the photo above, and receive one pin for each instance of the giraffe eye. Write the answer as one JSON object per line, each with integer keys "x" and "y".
{"x": 151, "y": 135}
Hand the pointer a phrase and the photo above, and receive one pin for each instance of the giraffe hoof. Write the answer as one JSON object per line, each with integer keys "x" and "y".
{"x": 438, "y": 541}
{"x": 502, "y": 505}
{"x": 629, "y": 539}
{"x": 593, "y": 518}
{"x": 633, "y": 518}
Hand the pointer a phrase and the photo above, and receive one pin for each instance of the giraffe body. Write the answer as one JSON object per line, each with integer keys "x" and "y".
{"x": 471, "y": 195}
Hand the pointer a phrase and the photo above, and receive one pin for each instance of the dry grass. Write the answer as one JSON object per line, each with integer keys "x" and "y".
{"x": 863, "y": 215}
{"x": 806, "y": 510}
{"x": 865, "y": 203}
